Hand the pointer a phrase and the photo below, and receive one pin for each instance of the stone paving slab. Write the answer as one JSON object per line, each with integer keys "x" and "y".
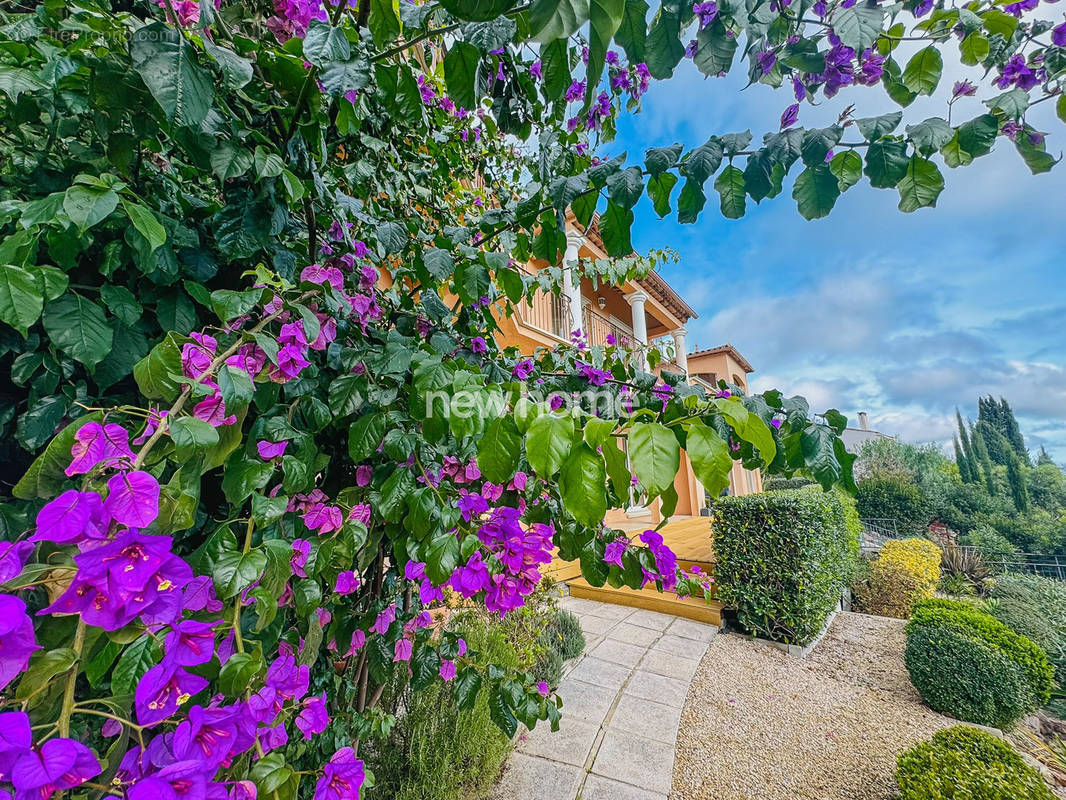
{"x": 622, "y": 702}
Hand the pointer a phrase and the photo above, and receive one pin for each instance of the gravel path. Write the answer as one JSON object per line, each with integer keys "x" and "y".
{"x": 760, "y": 724}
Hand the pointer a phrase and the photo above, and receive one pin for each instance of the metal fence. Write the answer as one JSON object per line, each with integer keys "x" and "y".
{"x": 1046, "y": 564}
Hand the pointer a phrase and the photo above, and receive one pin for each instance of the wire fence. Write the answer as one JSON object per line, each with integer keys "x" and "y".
{"x": 1046, "y": 564}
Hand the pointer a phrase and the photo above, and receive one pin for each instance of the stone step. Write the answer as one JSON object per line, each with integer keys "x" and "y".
{"x": 695, "y": 608}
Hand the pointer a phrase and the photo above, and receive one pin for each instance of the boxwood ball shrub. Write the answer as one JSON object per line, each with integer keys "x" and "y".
{"x": 1032, "y": 662}
{"x": 965, "y": 677}
{"x": 964, "y": 763}
{"x": 782, "y": 559}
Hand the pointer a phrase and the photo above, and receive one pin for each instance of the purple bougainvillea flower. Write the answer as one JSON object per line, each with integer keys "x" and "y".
{"x": 162, "y": 690}
{"x": 523, "y": 369}
{"x": 542, "y": 689}
{"x": 342, "y": 777}
{"x": 360, "y": 513}
{"x": 313, "y": 717}
{"x": 133, "y": 499}
{"x": 358, "y": 640}
{"x": 364, "y": 473}
{"x": 536, "y": 70}
{"x": 518, "y": 482}
{"x": 1058, "y": 35}
{"x": 347, "y": 582}
{"x": 151, "y": 788}
{"x": 776, "y": 423}
{"x": 212, "y": 410}
{"x": 402, "y": 650}
{"x": 17, "y": 642}
{"x": 269, "y": 450}
{"x": 301, "y": 551}
{"x": 447, "y": 669}
{"x": 324, "y": 519}
{"x": 1020, "y": 7}
{"x": 99, "y": 444}
{"x": 190, "y": 642}
{"x": 13, "y": 557}
{"x": 766, "y": 61}
{"x": 15, "y": 739}
{"x": 472, "y": 577}
{"x": 471, "y": 505}
{"x": 706, "y": 12}
{"x": 963, "y": 89}
{"x": 613, "y": 553}
{"x": 665, "y": 559}
{"x": 287, "y": 678}
{"x": 478, "y": 345}
{"x": 133, "y": 575}
{"x": 199, "y": 595}
{"x": 72, "y": 516}
{"x": 790, "y": 116}
{"x": 923, "y": 8}
{"x": 384, "y": 620}
{"x": 56, "y": 765}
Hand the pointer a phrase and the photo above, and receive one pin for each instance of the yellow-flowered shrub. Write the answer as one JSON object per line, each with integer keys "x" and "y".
{"x": 906, "y": 571}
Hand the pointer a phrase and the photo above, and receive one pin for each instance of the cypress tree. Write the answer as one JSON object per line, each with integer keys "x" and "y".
{"x": 1044, "y": 458}
{"x": 960, "y": 460}
{"x": 983, "y": 459}
{"x": 1019, "y": 489}
{"x": 988, "y": 423}
{"x": 968, "y": 464}
{"x": 1012, "y": 432}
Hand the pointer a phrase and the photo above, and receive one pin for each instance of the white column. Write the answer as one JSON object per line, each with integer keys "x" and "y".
{"x": 680, "y": 349}
{"x": 636, "y": 301}
{"x": 572, "y": 282}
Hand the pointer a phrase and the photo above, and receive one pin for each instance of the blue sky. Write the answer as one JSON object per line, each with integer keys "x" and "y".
{"x": 901, "y": 315}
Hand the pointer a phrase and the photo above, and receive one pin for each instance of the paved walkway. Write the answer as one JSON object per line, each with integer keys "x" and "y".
{"x": 622, "y": 705}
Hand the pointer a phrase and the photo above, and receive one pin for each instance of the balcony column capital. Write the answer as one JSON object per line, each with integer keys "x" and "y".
{"x": 637, "y": 300}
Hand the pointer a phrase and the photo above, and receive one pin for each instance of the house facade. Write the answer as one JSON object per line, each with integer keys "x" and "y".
{"x": 643, "y": 312}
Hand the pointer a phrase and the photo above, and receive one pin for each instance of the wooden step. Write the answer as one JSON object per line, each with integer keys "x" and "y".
{"x": 695, "y": 608}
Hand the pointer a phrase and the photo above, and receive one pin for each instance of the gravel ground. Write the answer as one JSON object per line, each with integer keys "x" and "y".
{"x": 759, "y": 724}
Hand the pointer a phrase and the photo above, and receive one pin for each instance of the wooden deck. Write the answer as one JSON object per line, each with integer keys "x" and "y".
{"x": 690, "y": 539}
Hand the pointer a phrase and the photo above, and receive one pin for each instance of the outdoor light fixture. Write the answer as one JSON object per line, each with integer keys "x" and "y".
{"x": 601, "y": 302}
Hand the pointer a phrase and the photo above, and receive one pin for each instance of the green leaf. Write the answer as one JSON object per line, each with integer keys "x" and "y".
{"x": 500, "y": 712}
{"x": 21, "y": 300}
{"x": 1013, "y": 103}
{"x": 346, "y": 395}
{"x": 716, "y": 49}
{"x": 702, "y": 161}
{"x": 234, "y": 572}
{"x": 605, "y": 16}
{"x": 583, "y": 483}
{"x": 819, "y": 457}
{"x": 270, "y": 773}
{"x": 467, "y": 686}
{"x": 690, "y": 202}
{"x": 617, "y": 468}
{"x": 997, "y": 22}
{"x": 145, "y": 222}
{"x": 229, "y": 304}
{"x": 886, "y": 163}
{"x": 155, "y": 372}
{"x": 442, "y": 557}
{"x": 460, "y": 71}
{"x": 235, "y": 385}
{"x": 858, "y": 26}
{"x": 847, "y": 167}
{"x": 930, "y": 135}
{"x": 816, "y": 191}
{"x": 189, "y": 433}
{"x": 1060, "y": 108}
{"x": 974, "y": 49}
{"x": 659, "y": 189}
{"x": 875, "y": 127}
{"x": 730, "y": 187}
{"x": 625, "y": 187}
{"x": 555, "y": 64}
{"x": 15, "y": 81}
{"x": 710, "y": 457}
{"x": 633, "y": 32}
{"x": 392, "y": 236}
{"x": 659, "y": 159}
{"x": 137, "y": 659}
{"x": 498, "y": 450}
{"x": 365, "y": 435}
{"x": 548, "y": 443}
{"x": 342, "y": 77}
{"x": 88, "y": 205}
{"x": 549, "y": 19}
{"x": 664, "y": 49}
{"x": 268, "y": 164}
{"x": 79, "y": 328}
{"x": 324, "y": 43}
{"x": 237, "y": 673}
{"x": 921, "y": 186}
{"x": 236, "y": 71}
{"x": 230, "y": 160}
{"x": 1033, "y": 154}
{"x": 166, "y": 62}
{"x": 43, "y": 668}
{"x": 52, "y": 282}
{"x": 655, "y": 456}
{"x": 615, "y": 225}
{"x": 923, "y": 71}
{"x": 597, "y": 431}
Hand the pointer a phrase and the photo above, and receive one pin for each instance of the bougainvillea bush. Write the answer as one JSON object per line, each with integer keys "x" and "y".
{"x": 251, "y": 258}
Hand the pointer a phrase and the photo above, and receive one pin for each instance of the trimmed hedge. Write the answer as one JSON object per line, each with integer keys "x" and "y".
{"x": 965, "y": 677}
{"x": 898, "y": 499}
{"x": 782, "y": 559}
{"x": 964, "y": 763}
{"x": 1035, "y": 669}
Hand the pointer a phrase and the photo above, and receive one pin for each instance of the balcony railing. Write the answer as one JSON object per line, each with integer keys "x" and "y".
{"x": 548, "y": 312}
{"x": 598, "y": 327}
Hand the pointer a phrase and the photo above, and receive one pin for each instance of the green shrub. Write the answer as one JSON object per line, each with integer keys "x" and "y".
{"x": 563, "y": 634}
{"x": 779, "y": 483}
{"x": 782, "y": 559}
{"x": 437, "y": 751}
{"x": 963, "y": 676}
{"x": 1032, "y": 662}
{"x": 991, "y": 544}
{"x": 964, "y": 763}
{"x": 888, "y": 590}
{"x": 549, "y": 668}
{"x": 1034, "y": 607}
{"x": 894, "y": 498}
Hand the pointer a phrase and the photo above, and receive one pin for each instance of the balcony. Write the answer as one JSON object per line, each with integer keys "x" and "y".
{"x": 548, "y": 313}
{"x": 598, "y": 328}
